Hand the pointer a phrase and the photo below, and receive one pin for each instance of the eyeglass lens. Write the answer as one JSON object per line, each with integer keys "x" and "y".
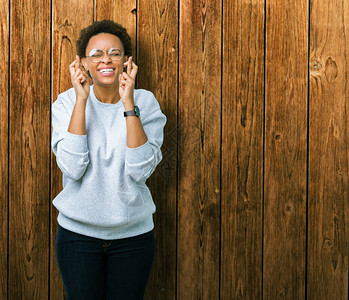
{"x": 97, "y": 55}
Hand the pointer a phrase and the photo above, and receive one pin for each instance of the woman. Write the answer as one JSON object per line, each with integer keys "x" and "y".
{"x": 107, "y": 139}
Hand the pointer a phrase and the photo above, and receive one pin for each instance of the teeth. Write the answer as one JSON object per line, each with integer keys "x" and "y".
{"x": 106, "y": 70}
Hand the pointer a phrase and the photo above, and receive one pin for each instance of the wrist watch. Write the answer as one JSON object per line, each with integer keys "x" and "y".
{"x": 134, "y": 112}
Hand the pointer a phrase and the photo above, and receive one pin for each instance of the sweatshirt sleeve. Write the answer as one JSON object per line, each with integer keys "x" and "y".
{"x": 71, "y": 150}
{"x": 141, "y": 161}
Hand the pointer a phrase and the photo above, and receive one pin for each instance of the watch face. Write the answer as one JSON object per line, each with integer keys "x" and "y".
{"x": 138, "y": 113}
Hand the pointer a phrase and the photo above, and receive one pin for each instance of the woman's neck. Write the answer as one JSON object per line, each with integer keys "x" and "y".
{"x": 106, "y": 94}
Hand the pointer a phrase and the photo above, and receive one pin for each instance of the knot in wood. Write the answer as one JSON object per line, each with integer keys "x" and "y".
{"x": 282, "y": 294}
{"x": 316, "y": 67}
{"x": 331, "y": 69}
{"x": 243, "y": 120}
{"x": 327, "y": 243}
{"x": 288, "y": 208}
{"x": 66, "y": 24}
{"x": 29, "y": 58}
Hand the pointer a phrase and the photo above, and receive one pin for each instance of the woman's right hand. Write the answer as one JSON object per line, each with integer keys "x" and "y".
{"x": 79, "y": 79}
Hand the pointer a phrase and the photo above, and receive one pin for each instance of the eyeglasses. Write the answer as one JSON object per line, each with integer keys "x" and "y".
{"x": 97, "y": 55}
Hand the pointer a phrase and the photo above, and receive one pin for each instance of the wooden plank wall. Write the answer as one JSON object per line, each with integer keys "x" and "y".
{"x": 29, "y": 153}
{"x": 285, "y": 160}
{"x": 4, "y": 92}
{"x": 242, "y": 150}
{"x": 252, "y": 194}
{"x": 328, "y": 165}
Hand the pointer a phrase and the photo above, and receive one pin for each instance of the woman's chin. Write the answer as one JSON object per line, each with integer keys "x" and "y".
{"x": 105, "y": 81}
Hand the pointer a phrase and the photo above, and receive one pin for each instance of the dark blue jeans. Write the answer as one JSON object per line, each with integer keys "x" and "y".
{"x": 98, "y": 269}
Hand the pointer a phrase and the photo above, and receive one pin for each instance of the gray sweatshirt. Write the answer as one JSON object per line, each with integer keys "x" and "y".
{"x": 104, "y": 182}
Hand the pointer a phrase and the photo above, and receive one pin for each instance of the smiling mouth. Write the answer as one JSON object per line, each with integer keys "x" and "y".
{"x": 106, "y": 71}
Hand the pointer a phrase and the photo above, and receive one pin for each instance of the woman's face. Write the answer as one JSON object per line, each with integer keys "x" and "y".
{"x": 106, "y": 72}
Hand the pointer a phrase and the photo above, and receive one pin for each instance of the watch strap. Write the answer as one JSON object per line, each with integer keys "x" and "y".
{"x": 133, "y": 112}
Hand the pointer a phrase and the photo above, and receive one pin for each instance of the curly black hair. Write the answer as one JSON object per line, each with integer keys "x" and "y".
{"x": 105, "y": 26}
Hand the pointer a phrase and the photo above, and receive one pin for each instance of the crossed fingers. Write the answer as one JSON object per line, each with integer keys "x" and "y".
{"x": 78, "y": 76}
{"x": 131, "y": 69}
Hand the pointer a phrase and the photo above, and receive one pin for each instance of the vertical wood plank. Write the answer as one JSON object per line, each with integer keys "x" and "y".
{"x": 123, "y": 12}
{"x": 66, "y": 26}
{"x": 329, "y": 151}
{"x": 4, "y": 64}
{"x": 29, "y": 150}
{"x": 199, "y": 149}
{"x": 157, "y": 60}
{"x": 242, "y": 149}
{"x": 285, "y": 149}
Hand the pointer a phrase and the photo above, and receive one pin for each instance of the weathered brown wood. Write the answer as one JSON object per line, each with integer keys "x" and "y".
{"x": 66, "y": 26}
{"x": 194, "y": 242}
{"x": 4, "y": 63}
{"x": 285, "y": 150}
{"x": 328, "y": 151}
{"x": 29, "y": 155}
{"x": 199, "y": 149}
{"x": 242, "y": 149}
{"x": 157, "y": 61}
{"x": 120, "y": 11}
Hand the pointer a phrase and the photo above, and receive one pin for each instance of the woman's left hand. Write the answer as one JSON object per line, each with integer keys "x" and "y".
{"x": 127, "y": 83}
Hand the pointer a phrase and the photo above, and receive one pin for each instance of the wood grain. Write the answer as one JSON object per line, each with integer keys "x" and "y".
{"x": 199, "y": 149}
{"x": 285, "y": 150}
{"x": 242, "y": 150}
{"x": 120, "y": 11}
{"x": 4, "y": 64}
{"x": 205, "y": 249}
{"x": 157, "y": 60}
{"x": 29, "y": 155}
{"x": 66, "y": 26}
{"x": 328, "y": 151}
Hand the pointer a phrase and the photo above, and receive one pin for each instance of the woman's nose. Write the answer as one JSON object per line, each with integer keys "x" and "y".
{"x": 106, "y": 57}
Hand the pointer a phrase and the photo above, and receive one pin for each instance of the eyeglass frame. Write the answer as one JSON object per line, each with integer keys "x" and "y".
{"x": 96, "y": 62}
